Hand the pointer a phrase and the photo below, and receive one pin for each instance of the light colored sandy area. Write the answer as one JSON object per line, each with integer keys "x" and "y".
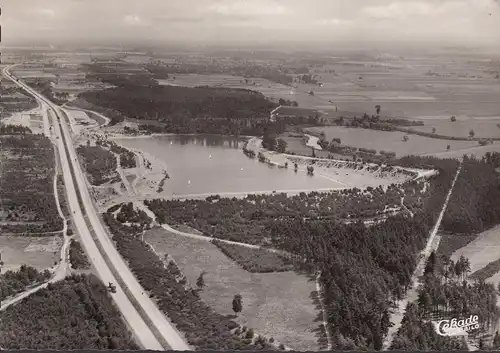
{"x": 482, "y": 250}
{"x": 31, "y": 119}
{"x": 40, "y": 253}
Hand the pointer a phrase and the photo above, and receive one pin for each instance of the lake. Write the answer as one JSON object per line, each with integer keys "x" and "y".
{"x": 199, "y": 164}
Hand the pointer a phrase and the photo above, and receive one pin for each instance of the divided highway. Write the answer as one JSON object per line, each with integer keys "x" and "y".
{"x": 163, "y": 335}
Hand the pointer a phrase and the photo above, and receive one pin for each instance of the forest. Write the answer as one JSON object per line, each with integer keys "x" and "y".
{"x": 188, "y": 110}
{"x": 248, "y": 220}
{"x": 27, "y": 191}
{"x": 445, "y": 293}
{"x": 99, "y": 163}
{"x": 14, "y": 282}
{"x": 474, "y": 205}
{"x": 201, "y": 325}
{"x": 94, "y": 322}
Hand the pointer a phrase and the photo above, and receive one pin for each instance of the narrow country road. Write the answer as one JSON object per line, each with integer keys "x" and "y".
{"x": 63, "y": 268}
{"x": 144, "y": 334}
{"x": 412, "y": 294}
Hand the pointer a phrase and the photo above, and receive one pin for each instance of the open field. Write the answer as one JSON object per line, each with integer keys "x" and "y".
{"x": 482, "y": 251}
{"x": 391, "y": 141}
{"x": 30, "y": 119}
{"x": 486, "y": 127}
{"x": 40, "y": 253}
{"x": 274, "y": 304}
{"x": 477, "y": 151}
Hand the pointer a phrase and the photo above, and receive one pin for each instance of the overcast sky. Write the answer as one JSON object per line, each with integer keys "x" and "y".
{"x": 252, "y": 20}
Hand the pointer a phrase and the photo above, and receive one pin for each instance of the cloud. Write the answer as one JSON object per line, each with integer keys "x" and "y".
{"x": 47, "y": 12}
{"x": 132, "y": 20}
{"x": 335, "y": 22}
{"x": 254, "y": 8}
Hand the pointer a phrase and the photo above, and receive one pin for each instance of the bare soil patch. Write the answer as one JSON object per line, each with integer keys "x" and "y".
{"x": 40, "y": 253}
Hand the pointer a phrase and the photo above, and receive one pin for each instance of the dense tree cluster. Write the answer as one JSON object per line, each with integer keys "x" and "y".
{"x": 76, "y": 313}
{"x": 446, "y": 294}
{"x": 14, "y": 129}
{"x": 203, "y": 327}
{"x": 127, "y": 157}
{"x": 418, "y": 334}
{"x": 99, "y": 163}
{"x": 128, "y": 214}
{"x": 14, "y": 282}
{"x": 188, "y": 110}
{"x": 255, "y": 259}
{"x": 77, "y": 256}
{"x": 247, "y": 220}
{"x": 474, "y": 204}
{"x": 27, "y": 189}
{"x": 287, "y": 102}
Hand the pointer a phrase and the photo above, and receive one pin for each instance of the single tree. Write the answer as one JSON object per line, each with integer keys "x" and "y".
{"x": 200, "y": 282}
{"x": 237, "y": 304}
{"x": 281, "y": 146}
{"x": 377, "y": 108}
{"x": 433, "y": 130}
{"x": 496, "y": 340}
{"x": 453, "y": 119}
{"x": 471, "y": 133}
{"x": 448, "y": 147}
{"x": 405, "y": 138}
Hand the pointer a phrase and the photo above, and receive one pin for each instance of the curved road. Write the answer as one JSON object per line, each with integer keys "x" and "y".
{"x": 143, "y": 333}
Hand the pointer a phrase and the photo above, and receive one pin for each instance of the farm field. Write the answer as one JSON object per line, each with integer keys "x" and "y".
{"x": 477, "y": 151}
{"x": 40, "y": 253}
{"x": 390, "y": 141}
{"x": 274, "y": 304}
{"x": 483, "y": 127}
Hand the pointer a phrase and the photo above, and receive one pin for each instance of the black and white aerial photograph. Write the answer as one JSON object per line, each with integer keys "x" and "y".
{"x": 268, "y": 175}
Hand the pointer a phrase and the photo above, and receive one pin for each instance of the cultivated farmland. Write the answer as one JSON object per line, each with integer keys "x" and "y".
{"x": 391, "y": 141}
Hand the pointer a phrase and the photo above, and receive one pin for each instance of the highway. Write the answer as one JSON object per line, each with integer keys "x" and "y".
{"x": 143, "y": 333}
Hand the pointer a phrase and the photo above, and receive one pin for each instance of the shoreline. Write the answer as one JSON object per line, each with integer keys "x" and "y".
{"x": 127, "y": 137}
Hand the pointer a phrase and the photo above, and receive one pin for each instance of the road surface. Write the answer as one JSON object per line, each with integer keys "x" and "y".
{"x": 412, "y": 294}
{"x": 140, "y": 329}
